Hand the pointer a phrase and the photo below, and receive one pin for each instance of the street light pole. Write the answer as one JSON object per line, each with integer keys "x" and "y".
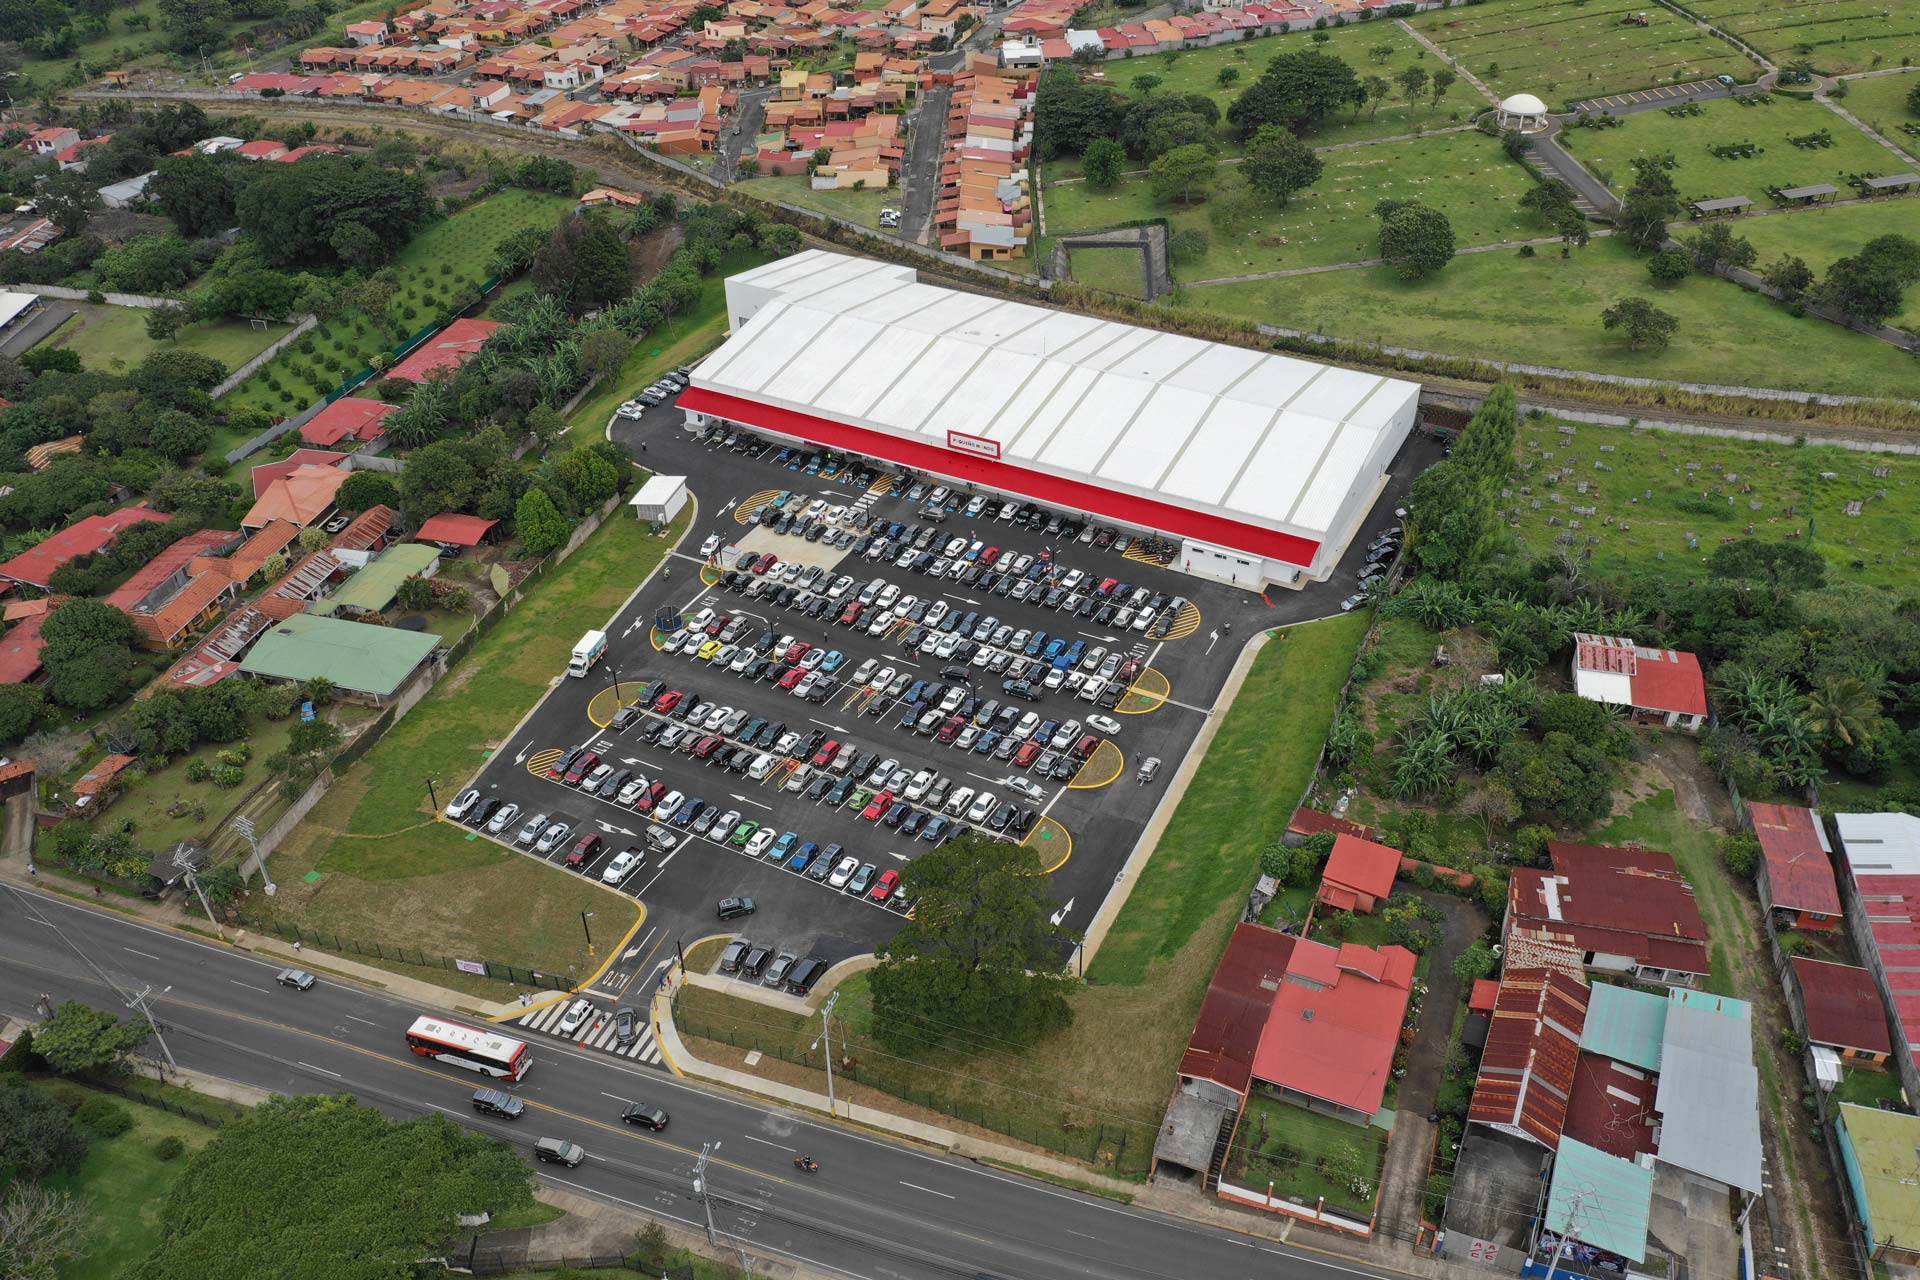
{"x": 616, "y": 684}
{"x": 700, "y": 1188}
{"x": 433, "y": 799}
{"x": 826, "y": 1036}
{"x": 584, "y": 917}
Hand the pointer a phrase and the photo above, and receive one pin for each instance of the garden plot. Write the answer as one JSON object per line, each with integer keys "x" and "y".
{"x": 1561, "y": 50}
{"x": 437, "y": 273}
{"x": 1462, "y": 174}
{"x": 1702, "y": 175}
{"x": 1647, "y": 501}
{"x": 1836, "y": 36}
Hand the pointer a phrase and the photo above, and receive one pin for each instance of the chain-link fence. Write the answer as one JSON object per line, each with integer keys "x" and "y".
{"x": 328, "y": 940}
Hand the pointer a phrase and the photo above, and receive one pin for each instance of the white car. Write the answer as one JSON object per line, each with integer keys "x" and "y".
{"x": 760, "y": 841}
{"x": 631, "y": 409}
{"x": 623, "y": 865}
{"x": 745, "y": 658}
{"x": 699, "y": 621}
{"x": 575, "y": 1017}
{"x": 835, "y": 514}
{"x": 957, "y": 802}
{"x": 711, "y": 545}
{"x": 1104, "y": 724}
{"x": 983, "y": 804}
{"x": 816, "y": 508}
{"x": 1066, "y": 735}
{"x": 669, "y": 805}
{"x": 761, "y": 767}
{"x": 882, "y": 679}
{"x": 921, "y": 784}
{"x": 935, "y": 611}
{"x": 551, "y": 838}
{"x": 531, "y": 831}
{"x": 632, "y": 791}
{"x": 954, "y": 547}
{"x": 461, "y": 805}
{"x": 863, "y": 674}
{"x": 1028, "y": 723}
{"x": 1026, "y": 787}
{"x": 844, "y": 872}
{"x": 503, "y": 818}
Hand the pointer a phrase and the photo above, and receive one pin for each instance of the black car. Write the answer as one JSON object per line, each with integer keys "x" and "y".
{"x": 1023, "y": 821}
{"x": 625, "y": 716}
{"x": 1022, "y": 689}
{"x": 840, "y": 790}
{"x": 614, "y": 781}
{"x": 647, "y": 1117}
{"x": 485, "y": 810}
{"x": 734, "y": 908}
{"x": 494, "y": 1102}
{"x": 819, "y": 787}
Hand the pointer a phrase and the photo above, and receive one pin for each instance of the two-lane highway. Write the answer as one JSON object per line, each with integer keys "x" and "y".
{"x": 876, "y": 1208}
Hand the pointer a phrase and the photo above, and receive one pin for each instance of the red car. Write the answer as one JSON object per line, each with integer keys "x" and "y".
{"x": 668, "y": 700}
{"x": 951, "y": 729}
{"x": 1106, "y": 587}
{"x": 585, "y": 765}
{"x": 883, "y": 887}
{"x": 988, "y": 556}
{"x": 719, "y": 623}
{"x": 765, "y": 562}
{"x": 851, "y": 614}
{"x": 828, "y": 749}
{"x": 651, "y": 797}
{"x": 1026, "y": 754}
{"x": 877, "y": 806}
{"x": 799, "y": 651}
{"x": 585, "y": 851}
{"x": 793, "y": 678}
{"x": 707, "y": 746}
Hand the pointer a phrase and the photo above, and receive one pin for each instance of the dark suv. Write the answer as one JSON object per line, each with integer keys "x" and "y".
{"x": 493, "y": 1102}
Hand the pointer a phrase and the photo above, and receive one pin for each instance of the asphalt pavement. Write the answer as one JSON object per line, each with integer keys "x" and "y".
{"x": 875, "y": 1208}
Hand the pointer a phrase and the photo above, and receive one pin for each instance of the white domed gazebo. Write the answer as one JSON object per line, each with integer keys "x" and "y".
{"x": 1524, "y": 112}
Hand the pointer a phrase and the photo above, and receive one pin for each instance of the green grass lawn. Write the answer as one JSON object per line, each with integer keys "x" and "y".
{"x": 1103, "y": 1080}
{"x": 1837, "y": 36}
{"x": 127, "y": 1183}
{"x": 1822, "y": 235}
{"x": 1300, "y": 1152}
{"x": 114, "y": 339}
{"x": 1545, "y": 310}
{"x": 1115, "y": 270}
{"x": 383, "y": 870}
{"x": 1886, "y": 536}
{"x": 1881, "y": 101}
{"x": 1869, "y": 1089}
{"x": 1560, "y": 50}
{"x": 862, "y": 207}
{"x": 147, "y": 802}
{"x": 1462, "y": 174}
{"x": 450, "y": 255}
{"x": 1700, "y": 175}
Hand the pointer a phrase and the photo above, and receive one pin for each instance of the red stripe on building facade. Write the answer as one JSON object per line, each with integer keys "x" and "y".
{"x": 968, "y": 468}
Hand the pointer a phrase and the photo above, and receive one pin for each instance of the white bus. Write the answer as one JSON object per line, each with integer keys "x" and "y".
{"x": 459, "y": 1046}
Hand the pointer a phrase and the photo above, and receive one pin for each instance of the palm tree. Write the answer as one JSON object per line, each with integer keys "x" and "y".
{"x": 1841, "y": 707}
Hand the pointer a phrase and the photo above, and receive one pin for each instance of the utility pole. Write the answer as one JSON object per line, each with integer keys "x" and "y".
{"x": 184, "y": 861}
{"x": 138, "y": 1001}
{"x": 826, "y": 1037}
{"x": 1560, "y": 1250}
{"x": 700, "y": 1187}
{"x": 616, "y": 684}
{"x": 244, "y": 825}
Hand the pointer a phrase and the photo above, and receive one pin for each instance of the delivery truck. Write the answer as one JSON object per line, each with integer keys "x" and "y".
{"x": 589, "y": 651}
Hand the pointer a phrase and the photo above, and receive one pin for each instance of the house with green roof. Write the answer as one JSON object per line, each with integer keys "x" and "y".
{"x": 373, "y": 588}
{"x": 1881, "y": 1154}
{"x": 364, "y": 661}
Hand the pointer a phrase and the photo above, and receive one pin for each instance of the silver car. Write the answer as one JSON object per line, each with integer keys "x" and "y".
{"x": 502, "y": 818}
{"x": 531, "y": 831}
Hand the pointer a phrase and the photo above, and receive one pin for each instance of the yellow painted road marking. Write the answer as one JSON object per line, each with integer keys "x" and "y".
{"x": 748, "y": 509}
{"x": 1149, "y": 692}
{"x": 1102, "y": 767}
{"x": 657, "y": 639}
{"x": 540, "y": 761}
{"x": 881, "y": 485}
{"x": 1185, "y": 623}
{"x": 710, "y": 574}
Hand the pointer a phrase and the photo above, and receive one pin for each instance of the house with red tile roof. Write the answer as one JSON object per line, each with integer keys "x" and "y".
{"x": 1336, "y": 1020}
{"x": 1628, "y": 912}
{"x": 267, "y": 472}
{"x": 1533, "y": 1044}
{"x": 1659, "y": 686}
{"x": 21, "y": 645}
{"x": 1309, "y": 822}
{"x": 1795, "y": 878}
{"x": 97, "y": 785}
{"x": 167, "y": 597}
{"x": 451, "y": 529}
{"x": 1359, "y": 875}
{"x": 1226, "y": 1035}
{"x": 303, "y": 496}
{"x": 261, "y": 149}
{"x": 348, "y": 419}
{"x": 34, "y": 567}
{"x": 448, "y": 349}
{"x": 1837, "y": 1007}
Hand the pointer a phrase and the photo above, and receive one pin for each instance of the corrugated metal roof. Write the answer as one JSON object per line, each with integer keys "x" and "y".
{"x": 1709, "y": 1095}
{"x": 1626, "y": 1025}
{"x": 1526, "y": 1069}
{"x": 1883, "y": 856}
{"x": 1600, "y": 1200}
{"x": 355, "y": 656}
{"x": 1843, "y": 1005}
{"x": 1234, "y": 1013}
{"x": 1882, "y": 1146}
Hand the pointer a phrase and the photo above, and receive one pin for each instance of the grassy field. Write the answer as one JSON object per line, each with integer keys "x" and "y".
{"x": 1700, "y": 175}
{"x": 1560, "y": 50}
{"x": 1298, "y": 1151}
{"x": 1462, "y": 174}
{"x": 126, "y": 1184}
{"x": 1884, "y": 539}
{"x": 1837, "y": 36}
{"x": 862, "y": 207}
{"x": 691, "y": 334}
{"x": 1881, "y": 101}
{"x": 1822, "y": 235}
{"x": 1115, "y": 270}
{"x": 447, "y": 257}
{"x": 146, "y": 803}
{"x": 1106, "y": 1076}
{"x": 1547, "y": 311}
{"x": 371, "y": 862}
{"x": 114, "y": 339}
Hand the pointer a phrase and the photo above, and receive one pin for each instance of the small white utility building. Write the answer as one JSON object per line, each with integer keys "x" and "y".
{"x": 659, "y": 499}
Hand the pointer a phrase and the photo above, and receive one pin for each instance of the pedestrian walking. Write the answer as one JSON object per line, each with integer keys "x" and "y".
{"x": 296, "y": 946}
{"x": 31, "y": 869}
{"x": 643, "y": 446}
{"x": 96, "y": 891}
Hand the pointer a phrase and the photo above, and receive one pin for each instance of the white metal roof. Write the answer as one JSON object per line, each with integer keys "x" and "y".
{"x": 1252, "y": 436}
{"x": 1709, "y": 1093}
{"x": 12, "y": 304}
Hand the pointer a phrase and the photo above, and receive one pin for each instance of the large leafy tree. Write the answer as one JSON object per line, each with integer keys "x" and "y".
{"x": 81, "y": 1040}
{"x": 981, "y": 954}
{"x": 1870, "y": 286}
{"x": 1103, "y": 163}
{"x": 89, "y": 654}
{"x": 1069, "y": 113}
{"x": 1415, "y": 240}
{"x": 323, "y": 1188}
{"x": 584, "y": 264}
{"x": 1644, "y": 324}
{"x": 541, "y": 526}
{"x": 1298, "y": 90}
{"x": 37, "y": 1137}
{"x": 1184, "y": 173}
{"x": 295, "y": 212}
{"x": 1154, "y": 126}
{"x": 1279, "y": 164}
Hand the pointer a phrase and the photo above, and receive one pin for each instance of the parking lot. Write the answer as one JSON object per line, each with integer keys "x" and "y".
{"x": 775, "y": 742}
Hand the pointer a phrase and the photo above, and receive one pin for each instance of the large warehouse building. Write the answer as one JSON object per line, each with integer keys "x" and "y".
{"x": 1261, "y": 466}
